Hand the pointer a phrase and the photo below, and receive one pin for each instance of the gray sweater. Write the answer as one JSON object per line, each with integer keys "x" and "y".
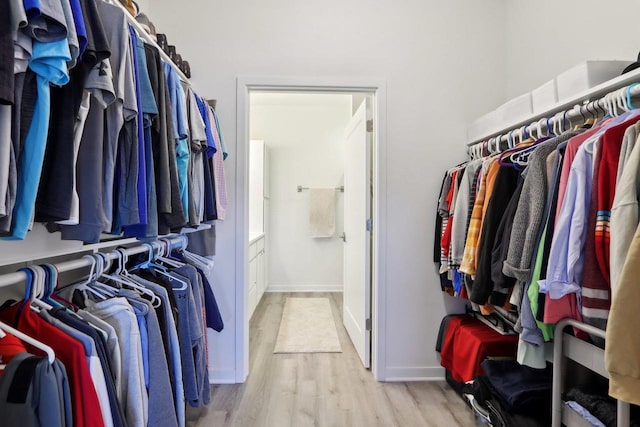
{"x": 528, "y": 217}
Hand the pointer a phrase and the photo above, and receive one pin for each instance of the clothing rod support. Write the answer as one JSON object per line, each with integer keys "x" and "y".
{"x": 301, "y": 188}
{"x": 569, "y": 114}
{"x": 76, "y": 264}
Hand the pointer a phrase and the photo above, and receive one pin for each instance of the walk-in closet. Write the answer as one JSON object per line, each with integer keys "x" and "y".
{"x": 351, "y": 213}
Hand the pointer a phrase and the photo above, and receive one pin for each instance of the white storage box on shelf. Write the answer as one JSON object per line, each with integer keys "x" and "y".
{"x": 515, "y": 110}
{"x": 482, "y": 126}
{"x": 586, "y": 75}
{"x": 544, "y": 97}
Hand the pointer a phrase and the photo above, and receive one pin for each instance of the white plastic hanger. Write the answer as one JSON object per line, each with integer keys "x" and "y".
{"x": 539, "y": 132}
{"x": 38, "y": 288}
{"x": 205, "y": 262}
{"x": 100, "y": 290}
{"x": 51, "y": 355}
{"x": 622, "y": 98}
{"x": 166, "y": 245}
{"x": 122, "y": 276}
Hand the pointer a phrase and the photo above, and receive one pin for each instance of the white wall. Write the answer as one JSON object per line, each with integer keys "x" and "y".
{"x": 145, "y": 6}
{"x": 304, "y": 134}
{"x": 546, "y": 37}
{"x": 444, "y": 65}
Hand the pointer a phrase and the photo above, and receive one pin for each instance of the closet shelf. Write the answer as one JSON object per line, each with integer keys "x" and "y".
{"x": 588, "y": 95}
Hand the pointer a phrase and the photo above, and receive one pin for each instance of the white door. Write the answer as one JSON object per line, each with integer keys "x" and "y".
{"x": 357, "y": 245}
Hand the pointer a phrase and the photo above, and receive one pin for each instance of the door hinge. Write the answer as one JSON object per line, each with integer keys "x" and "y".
{"x": 368, "y": 324}
{"x": 370, "y": 125}
{"x": 369, "y": 224}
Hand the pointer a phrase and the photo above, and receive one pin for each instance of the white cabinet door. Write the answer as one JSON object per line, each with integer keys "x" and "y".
{"x": 253, "y": 289}
{"x": 261, "y": 281}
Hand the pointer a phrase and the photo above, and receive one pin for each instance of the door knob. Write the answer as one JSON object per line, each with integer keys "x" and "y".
{"x": 343, "y": 236}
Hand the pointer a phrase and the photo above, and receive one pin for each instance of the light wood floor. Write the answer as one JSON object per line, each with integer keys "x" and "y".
{"x": 323, "y": 389}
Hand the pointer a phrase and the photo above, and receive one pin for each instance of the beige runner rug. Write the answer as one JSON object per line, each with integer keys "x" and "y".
{"x": 307, "y": 326}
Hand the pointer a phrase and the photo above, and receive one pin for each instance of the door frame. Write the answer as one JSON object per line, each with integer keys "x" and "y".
{"x": 375, "y": 86}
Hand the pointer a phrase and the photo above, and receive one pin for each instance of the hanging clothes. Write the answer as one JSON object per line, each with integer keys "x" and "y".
{"x": 96, "y": 128}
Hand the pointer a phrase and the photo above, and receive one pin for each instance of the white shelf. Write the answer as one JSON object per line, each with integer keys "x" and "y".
{"x": 586, "y": 354}
{"x": 591, "y": 94}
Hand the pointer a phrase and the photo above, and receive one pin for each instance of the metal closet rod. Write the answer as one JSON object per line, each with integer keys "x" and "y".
{"x": 553, "y": 117}
{"x": 147, "y": 37}
{"x": 76, "y": 264}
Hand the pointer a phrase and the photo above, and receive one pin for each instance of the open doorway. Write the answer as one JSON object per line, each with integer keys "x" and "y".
{"x": 372, "y": 314}
{"x": 310, "y": 215}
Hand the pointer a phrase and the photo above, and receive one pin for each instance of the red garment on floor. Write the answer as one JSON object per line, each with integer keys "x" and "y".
{"x": 468, "y": 342}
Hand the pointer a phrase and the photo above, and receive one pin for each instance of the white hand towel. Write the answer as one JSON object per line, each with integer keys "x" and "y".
{"x": 322, "y": 212}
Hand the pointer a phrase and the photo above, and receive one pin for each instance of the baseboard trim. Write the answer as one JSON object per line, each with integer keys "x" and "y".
{"x": 222, "y": 377}
{"x": 304, "y": 288}
{"x": 412, "y": 374}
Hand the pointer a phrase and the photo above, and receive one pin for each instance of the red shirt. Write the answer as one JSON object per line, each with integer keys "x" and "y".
{"x": 611, "y": 144}
{"x": 445, "y": 241}
{"x": 85, "y": 404}
{"x": 9, "y": 347}
{"x": 468, "y": 342}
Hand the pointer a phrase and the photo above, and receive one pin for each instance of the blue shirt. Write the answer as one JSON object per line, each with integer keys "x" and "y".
{"x": 564, "y": 271}
{"x": 211, "y": 142}
{"x": 49, "y": 62}
{"x": 142, "y": 163}
{"x": 78, "y": 20}
{"x": 178, "y": 103}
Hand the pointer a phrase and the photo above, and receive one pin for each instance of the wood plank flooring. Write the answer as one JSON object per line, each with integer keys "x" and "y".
{"x": 321, "y": 390}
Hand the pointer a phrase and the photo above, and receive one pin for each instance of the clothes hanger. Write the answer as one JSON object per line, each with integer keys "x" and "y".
{"x": 583, "y": 120}
{"x": 101, "y": 290}
{"x": 167, "y": 254}
{"x": 629, "y": 88}
{"x": 566, "y": 122}
{"x": 94, "y": 272}
{"x": 539, "y": 131}
{"x": 595, "y": 113}
{"x": 51, "y": 355}
{"x": 492, "y": 146}
{"x": 622, "y": 97}
{"x": 205, "y": 262}
{"x": 51, "y": 285}
{"x": 30, "y": 289}
{"x": 557, "y": 124}
{"x": 612, "y": 106}
{"x": 40, "y": 279}
{"x": 127, "y": 280}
